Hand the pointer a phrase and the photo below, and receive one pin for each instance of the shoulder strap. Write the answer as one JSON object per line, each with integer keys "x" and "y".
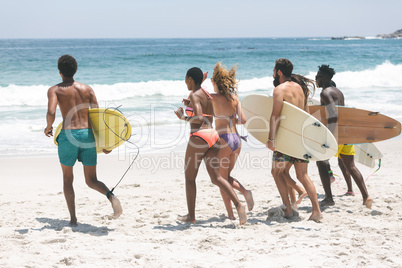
{"x": 206, "y": 92}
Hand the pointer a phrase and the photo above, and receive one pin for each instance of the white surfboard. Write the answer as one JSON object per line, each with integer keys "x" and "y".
{"x": 366, "y": 153}
{"x": 299, "y": 134}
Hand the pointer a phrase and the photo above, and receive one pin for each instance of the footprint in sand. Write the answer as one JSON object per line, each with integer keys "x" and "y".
{"x": 55, "y": 241}
{"x": 376, "y": 213}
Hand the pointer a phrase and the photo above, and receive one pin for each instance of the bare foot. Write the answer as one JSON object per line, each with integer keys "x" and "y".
{"x": 117, "y": 210}
{"x": 301, "y": 197}
{"x": 350, "y": 193}
{"x": 369, "y": 202}
{"x": 231, "y": 217}
{"x": 326, "y": 202}
{"x": 73, "y": 222}
{"x": 294, "y": 206}
{"x": 287, "y": 212}
{"x": 249, "y": 200}
{"x": 241, "y": 211}
{"x": 317, "y": 217}
{"x": 186, "y": 219}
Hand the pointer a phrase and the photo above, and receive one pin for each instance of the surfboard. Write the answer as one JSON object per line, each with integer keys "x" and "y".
{"x": 359, "y": 126}
{"x": 299, "y": 134}
{"x": 111, "y": 129}
{"x": 366, "y": 153}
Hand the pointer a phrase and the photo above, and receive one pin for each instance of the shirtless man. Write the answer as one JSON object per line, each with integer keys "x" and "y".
{"x": 292, "y": 92}
{"x": 76, "y": 140}
{"x": 330, "y": 97}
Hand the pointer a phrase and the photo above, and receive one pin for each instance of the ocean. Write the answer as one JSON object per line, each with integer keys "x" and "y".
{"x": 145, "y": 79}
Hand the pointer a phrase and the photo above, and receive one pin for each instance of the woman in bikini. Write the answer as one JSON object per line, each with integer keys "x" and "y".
{"x": 228, "y": 113}
{"x": 203, "y": 144}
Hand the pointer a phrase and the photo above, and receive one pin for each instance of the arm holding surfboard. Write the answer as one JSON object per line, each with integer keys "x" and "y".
{"x": 329, "y": 102}
{"x": 94, "y": 104}
{"x": 93, "y": 101}
{"x": 274, "y": 121}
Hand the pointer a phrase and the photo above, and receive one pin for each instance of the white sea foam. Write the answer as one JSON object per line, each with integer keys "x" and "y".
{"x": 150, "y": 106}
{"x": 386, "y": 75}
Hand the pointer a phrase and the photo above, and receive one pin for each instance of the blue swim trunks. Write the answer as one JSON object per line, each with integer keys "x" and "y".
{"x": 77, "y": 144}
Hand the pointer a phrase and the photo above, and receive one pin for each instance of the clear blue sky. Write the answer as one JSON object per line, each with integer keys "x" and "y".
{"x": 209, "y": 18}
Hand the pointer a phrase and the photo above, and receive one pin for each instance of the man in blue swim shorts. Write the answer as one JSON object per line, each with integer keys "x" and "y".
{"x": 77, "y": 144}
{"x": 76, "y": 140}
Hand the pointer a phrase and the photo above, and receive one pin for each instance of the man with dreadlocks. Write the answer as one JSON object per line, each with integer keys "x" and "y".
{"x": 330, "y": 97}
{"x": 295, "y": 91}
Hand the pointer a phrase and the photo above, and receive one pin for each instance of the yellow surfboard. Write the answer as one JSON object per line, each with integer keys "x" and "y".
{"x": 110, "y": 128}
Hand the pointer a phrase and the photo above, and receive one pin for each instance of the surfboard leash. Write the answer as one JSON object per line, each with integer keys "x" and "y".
{"x": 337, "y": 182}
{"x": 379, "y": 166}
{"x": 121, "y": 136}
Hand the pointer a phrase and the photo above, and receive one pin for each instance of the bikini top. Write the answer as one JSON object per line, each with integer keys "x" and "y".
{"x": 224, "y": 117}
{"x": 190, "y": 111}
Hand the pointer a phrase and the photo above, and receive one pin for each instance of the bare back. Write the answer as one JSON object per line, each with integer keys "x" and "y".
{"x": 202, "y": 107}
{"x": 332, "y": 94}
{"x": 291, "y": 92}
{"x": 74, "y": 100}
{"x": 225, "y": 111}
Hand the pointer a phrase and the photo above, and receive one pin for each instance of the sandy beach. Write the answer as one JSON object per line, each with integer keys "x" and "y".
{"x": 35, "y": 232}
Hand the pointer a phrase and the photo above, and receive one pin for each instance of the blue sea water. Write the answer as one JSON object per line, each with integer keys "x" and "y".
{"x": 145, "y": 77}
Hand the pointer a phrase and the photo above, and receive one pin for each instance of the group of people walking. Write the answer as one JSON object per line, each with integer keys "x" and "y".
{"x": 219, "y": 147}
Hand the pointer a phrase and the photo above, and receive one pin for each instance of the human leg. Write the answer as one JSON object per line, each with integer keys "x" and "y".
{"x": 293, "y": 185}
{"x": 224, "y": 158}
{"x": 347, "y": 177}
{"x": 278, "y": 170}
{"x": 68, "y": 190}
{"x": 323, "y": 169}
{"x": 349, "y": 163}
{"x": 196, "y": 149}
{"x": 248, "y": 195}
{"x": 301, "y": 173}
{"x": 93, "y": 182}
{"x": 212, "y": 164}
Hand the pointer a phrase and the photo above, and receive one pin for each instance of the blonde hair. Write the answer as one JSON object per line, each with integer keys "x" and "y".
{"x": 225, "y": 80}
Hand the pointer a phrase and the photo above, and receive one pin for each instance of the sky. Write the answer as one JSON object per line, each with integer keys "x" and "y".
{"x": 197, "y": 19}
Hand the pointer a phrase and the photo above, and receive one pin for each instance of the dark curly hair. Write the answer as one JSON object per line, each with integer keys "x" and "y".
{"x": 67, "y": 65}
{"x": 196, "y": 74}
{"x": 324, "y": 69}
{"x": 285, "y": 66}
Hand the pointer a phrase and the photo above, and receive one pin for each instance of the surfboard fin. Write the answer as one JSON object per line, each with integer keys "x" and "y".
{"x": 325, "y": 146}
{"x": 316, "y": 124}
{"x": 306, "y": 156}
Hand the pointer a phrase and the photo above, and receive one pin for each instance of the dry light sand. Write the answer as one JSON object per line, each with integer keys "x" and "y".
{"x": 34, "y": 219}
